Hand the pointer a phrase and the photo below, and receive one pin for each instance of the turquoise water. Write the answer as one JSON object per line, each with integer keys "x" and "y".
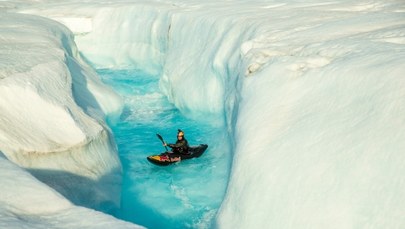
{"x": 184, "y": 195}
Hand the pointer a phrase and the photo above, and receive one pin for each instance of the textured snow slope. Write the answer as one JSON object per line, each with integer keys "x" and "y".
{"x": 52, "y": 112}
{"x": 28, "y": 203}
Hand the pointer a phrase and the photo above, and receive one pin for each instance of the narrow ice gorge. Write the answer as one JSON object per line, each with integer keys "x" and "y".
{"x": 312, "y": 94}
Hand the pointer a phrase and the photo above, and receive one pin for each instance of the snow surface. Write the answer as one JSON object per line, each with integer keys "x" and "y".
{"x": 52, "y": 109}
{"x": 28, "y": 203}
{"x": 311, "y": 91}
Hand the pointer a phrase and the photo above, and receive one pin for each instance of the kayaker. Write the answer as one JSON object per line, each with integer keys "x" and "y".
{"x": 181, "y": 145}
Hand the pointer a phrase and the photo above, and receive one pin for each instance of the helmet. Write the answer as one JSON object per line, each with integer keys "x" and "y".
{"x": 180, "y": 133}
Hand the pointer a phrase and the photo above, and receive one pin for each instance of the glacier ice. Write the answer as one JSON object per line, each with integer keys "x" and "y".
{"x": 52, "y": 112}
{"x": 312, "y": 93}
{"x": 28, "y": 203}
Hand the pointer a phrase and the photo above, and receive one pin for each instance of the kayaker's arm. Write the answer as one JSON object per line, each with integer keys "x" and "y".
{"x": 172, "y": 146}
{"x": 178, "y": 145}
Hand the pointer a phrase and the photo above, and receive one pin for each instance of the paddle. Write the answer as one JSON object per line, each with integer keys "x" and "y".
{"x": 161, "y": 139}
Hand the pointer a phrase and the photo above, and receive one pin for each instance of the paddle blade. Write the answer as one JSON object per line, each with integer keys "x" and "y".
{"x": 160, "y": 137}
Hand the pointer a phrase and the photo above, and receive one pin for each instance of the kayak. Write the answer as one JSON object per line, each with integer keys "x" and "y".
{"x": 167, "y": 158}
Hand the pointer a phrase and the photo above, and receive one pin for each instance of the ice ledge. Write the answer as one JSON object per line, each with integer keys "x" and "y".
{"x": 53, "y": 109}
{"x": 28, "y": 203}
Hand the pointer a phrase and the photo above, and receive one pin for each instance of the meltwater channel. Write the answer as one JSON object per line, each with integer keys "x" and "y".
{"x": 183, "y": 195}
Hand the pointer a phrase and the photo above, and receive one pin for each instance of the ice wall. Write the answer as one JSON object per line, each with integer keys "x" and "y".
{"x": 319, "y": 133}
{"x": 52, "y": 112}
{"x": 28, "y": 203}
{"x": 311, "y": 91}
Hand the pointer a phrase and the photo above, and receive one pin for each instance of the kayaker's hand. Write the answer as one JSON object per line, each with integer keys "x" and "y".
{"x": 164, "y": 144}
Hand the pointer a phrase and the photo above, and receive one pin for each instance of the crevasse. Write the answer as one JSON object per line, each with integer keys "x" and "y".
{"x": 317, "y": 121}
